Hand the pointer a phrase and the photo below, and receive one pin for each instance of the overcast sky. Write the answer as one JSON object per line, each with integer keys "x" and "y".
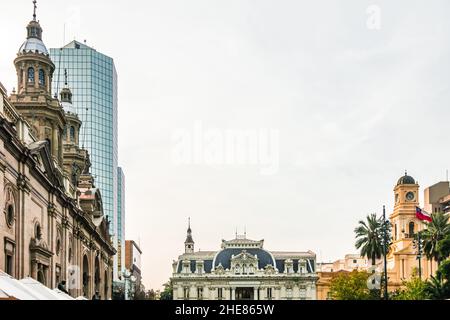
{"x": 346, "y": 94}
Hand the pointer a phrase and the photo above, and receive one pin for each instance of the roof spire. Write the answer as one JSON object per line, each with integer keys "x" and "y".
{"x": 406, "y": 172}
{"x": 34, "y": 10}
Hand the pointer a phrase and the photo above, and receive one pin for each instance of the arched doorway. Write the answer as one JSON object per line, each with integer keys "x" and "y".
{"x": 97, "y": 276}
{"x": 105, "y": 279}
{"x": 41, "y": 276}
{"x": 86, "y": 277}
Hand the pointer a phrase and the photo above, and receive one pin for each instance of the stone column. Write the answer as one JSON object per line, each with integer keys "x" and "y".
{"x": 233, "y": 293}
{"x": 206, "y": 293}
{"x": 255, "y": 293}
{"x": 193, "y": 293}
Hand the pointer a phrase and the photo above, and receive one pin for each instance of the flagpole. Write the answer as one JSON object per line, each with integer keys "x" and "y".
{"x": 386, "y": 297}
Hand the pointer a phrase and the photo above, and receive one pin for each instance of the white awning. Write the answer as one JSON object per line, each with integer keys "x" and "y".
{"x": 42, "y": 291}
{"x": 63, "y": 294}
{"x": 15, "y": 289}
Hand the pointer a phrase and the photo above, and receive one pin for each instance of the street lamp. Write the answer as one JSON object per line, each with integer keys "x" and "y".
{"x": 417, "y": 244}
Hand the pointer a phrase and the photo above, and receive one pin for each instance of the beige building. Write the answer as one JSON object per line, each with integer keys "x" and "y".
{"x": 327, "y": 271}
{"x": 52, "y": 226}
{"x": 350, "y": 262}
{"x": 402, "y": 256}
{"x": 437, "y": 198}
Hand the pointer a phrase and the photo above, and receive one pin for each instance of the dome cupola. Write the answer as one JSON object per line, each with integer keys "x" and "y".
{"x": 406, "y": 179}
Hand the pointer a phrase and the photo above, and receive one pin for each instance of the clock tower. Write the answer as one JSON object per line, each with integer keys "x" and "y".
{"x": 403, "y": 256}
{"x": 404, "y": 222}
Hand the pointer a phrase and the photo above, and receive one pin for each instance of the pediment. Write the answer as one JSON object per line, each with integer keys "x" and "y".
{"x": 40, "y": 152}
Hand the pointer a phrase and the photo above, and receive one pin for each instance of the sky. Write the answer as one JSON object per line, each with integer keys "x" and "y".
{"x": 335, "y": 100}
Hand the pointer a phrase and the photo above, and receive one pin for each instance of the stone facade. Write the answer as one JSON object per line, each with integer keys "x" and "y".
{"x": 52, "y": 226}
{"x": 243, "y": 270}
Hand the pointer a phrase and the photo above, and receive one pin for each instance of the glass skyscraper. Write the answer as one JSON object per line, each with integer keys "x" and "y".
{"x": 121, "y": 219}
{"x": 92, "y": 78}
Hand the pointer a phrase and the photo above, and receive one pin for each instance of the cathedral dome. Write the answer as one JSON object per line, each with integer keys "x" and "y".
{"x": 406, "y": 180}
{"x": 33, "y": 45}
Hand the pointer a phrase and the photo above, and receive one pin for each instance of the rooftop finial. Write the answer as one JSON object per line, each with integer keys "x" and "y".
{"x": 406, "y": 172}
{"x": 189, "y": 223}
{"x": 34, "y": 10}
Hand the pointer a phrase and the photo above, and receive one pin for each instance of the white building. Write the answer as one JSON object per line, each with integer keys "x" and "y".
{"x": 243, "y": 270}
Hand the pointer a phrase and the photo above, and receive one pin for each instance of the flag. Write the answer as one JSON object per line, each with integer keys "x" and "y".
{"x": 422, "y": 215}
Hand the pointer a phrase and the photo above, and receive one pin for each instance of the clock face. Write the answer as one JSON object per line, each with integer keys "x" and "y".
{"x": 410, "y": 196}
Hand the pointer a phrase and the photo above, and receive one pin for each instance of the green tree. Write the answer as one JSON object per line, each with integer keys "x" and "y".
{"x": 438, "y": 287}
{"x": 151, "y": 294}
{"x": 350, "y": 286}
{"x": 167, "y": 293}
{"x": 443, "y": 247}
{"x": 436, "y": 231}
{"x": 415, "y": 289}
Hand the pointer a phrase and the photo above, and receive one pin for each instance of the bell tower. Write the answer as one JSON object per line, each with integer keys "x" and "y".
{"x": 76, "y": 160}
{"x": 189, "y": 243}
{"x": 404, "y": 222}
{"x": 33, "y": 98}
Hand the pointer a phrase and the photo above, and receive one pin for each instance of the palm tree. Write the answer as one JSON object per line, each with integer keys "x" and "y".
{"x": 436, "y": 288}
{"x": 370, "y": 237}
{"x": 435, "y": 231}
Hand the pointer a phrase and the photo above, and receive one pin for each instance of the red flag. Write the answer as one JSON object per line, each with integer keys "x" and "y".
{"x": 422, "y": 215}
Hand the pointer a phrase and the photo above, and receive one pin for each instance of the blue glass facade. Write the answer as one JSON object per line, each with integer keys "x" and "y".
{"x": 92, "y": 78}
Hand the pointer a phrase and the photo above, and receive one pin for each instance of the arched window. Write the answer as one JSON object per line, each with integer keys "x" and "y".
{"x": 237, "y": 269}
{"x": 30, "y": 74}
{"x": 72, "y": 133}
{"x": 38, "y": 232}
{"x": 9, "y": 207}
{"x": 41, "y": 77}
{"x": 411, "y": 229}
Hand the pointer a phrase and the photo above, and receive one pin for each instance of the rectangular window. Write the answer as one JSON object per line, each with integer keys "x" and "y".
{"x": 289, "y": 294}
{"x": 186, "y": 293}
{"x": 9, "y": 265}
{"x": 219, "y": 293}
{"x": 269, "y": 293}
{"x": 200, "y": 293}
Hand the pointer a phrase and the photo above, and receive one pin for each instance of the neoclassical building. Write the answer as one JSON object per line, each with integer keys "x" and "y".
{"x": 243, "y": 270}
{"x": 52, "y": 226}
